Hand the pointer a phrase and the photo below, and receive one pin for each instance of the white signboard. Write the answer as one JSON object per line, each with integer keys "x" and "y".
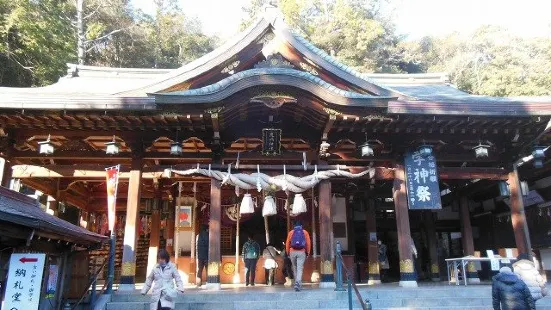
{"x": 24, "y": 281}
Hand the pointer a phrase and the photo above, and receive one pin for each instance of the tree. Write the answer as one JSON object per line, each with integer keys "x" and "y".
{"x": 490, "y": 61}
{"x": 355, "y": 32}
{"x": 35, "y": 41}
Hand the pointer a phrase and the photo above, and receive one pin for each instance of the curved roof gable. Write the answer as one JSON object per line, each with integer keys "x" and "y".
{"x": 270, "y": 22}
{"x": 272, "y": 76}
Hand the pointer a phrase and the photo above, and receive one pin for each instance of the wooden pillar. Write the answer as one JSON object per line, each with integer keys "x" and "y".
{"x": 518, "y": 217}
{"x": 154, "y": 237}
{"x": 170, "y": 225}
{"x": 467, "y": 237}
{"x": 6, "y": 173}
{"x": 326, "y": 235}
{"x": 128, "y": 272}
{"x": 408, "y": 276}
{"x": 433, "y": 245}
{"x": 213, "y": 270}
{"x": 373, "y": 267}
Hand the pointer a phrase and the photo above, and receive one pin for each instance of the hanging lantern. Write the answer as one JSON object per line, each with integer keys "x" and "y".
{"x": 324, "y": 149}
{"x": 539, "y": 154}
{"x": 269, "y": 207}
{"x": 247, "y": 205}
{"x": 46, "y": 147}
{"x": 299, "y": 204}
{"x": 425, "y": 150}
{"x": 504, "y": 189}
{"x": 175, "y": 149}
{"x": 481, "y": 150}
{"x": 112, "y": 148}
{"x": 367, "y": 150}
{"x": 539, "y": 151}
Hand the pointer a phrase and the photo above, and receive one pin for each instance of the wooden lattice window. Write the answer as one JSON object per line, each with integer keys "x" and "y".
{"x": 226, "y": 239}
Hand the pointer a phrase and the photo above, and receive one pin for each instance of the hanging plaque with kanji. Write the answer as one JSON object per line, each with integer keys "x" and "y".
{"x": 422, "y": 182}
{"x": 271, "y": 141}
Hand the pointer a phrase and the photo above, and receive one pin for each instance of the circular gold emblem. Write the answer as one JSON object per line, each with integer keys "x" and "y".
{"x": 228, "y": 268}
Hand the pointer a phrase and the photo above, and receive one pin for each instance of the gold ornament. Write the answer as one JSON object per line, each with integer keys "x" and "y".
{"x": 228, "y": 268}
{"x": 213, "y": 269}
{"x": 373, "y": 268}
{"x": 327, "y": 267}
{"x": 128, "y": 269}
{"x": 434, "y": 268}
{"x": 406, "y": 266}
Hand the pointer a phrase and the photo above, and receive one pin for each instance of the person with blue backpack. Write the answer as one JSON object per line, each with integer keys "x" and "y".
{"x": 251, "y": 252}
{"x": 298, "y": 246}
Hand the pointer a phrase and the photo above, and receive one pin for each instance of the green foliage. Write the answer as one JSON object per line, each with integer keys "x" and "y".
{"x": 489, "y": 61}
{"x": 38, "y": 38}
{"x": 35, "y": 41}
{"x": 354, "y": 31}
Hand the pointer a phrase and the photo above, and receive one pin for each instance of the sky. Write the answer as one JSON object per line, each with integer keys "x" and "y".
{"x": 414, "y": 18}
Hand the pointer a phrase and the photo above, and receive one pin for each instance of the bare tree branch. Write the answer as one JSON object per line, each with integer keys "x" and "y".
{"x": 107, "y": 35}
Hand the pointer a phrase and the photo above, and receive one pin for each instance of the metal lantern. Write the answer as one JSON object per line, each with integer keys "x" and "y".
{"x": 425, "y": 150}
{"x": 247, "y": 205}
{"x": 504, "y": 189}
{"x": 324, "y": 148}
{"x": 46, "y": 147}
{"x": 269, "y": 207}
{"x": 175, "y": 148}
{"x": 112, "y": 148}
{"x": 367, "y": 150}
{"x": 539, "y": 151}
{"x": 481, "y": 150}
{"x": 299, "y": 204}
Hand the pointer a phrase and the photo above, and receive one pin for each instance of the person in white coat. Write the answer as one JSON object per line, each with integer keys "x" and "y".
{"x": 162, "y": 279}
{"x": 526, "y": 270}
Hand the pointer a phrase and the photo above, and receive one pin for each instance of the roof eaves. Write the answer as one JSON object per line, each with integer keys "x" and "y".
{"x": 264, "y": 76}
{"x": 329, "y": 63}
{"x": 209, "y": 61}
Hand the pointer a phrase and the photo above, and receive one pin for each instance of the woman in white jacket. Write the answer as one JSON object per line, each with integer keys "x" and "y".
{"x": 162, "y": 278}
{"x": 525, "y": 269}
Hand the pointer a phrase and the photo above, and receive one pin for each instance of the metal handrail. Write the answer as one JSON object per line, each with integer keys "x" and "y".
{"x": 92, "y": 283}
{"x": 349, "y": 279}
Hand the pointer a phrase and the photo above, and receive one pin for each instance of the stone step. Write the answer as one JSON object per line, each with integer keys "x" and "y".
{"x": 431, "y": 298}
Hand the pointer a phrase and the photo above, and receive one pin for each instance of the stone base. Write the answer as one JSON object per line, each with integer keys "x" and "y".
{"x": 373, "y": 282}
{"x": 127, "y": 287}
{"x": 213, "y": 286}
{"x": 410, "y": 284}
{"x": 473, "y": 280}
{"x": 327, "y": 285}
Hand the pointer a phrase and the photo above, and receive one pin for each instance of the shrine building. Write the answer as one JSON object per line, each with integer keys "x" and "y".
{"x": 406, "y": 159}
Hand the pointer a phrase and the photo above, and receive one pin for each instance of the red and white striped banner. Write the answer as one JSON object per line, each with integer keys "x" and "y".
{"x": 112, "y": 184}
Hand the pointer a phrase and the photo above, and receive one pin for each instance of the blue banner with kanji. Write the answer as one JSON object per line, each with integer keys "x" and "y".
{"x": 422, "y": 182}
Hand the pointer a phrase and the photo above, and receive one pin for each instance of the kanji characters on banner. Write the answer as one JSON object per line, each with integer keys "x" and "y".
{"x": 422, "y": 182}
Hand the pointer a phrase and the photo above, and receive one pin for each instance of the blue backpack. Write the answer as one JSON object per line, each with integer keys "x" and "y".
{"x": 298, "y": 240}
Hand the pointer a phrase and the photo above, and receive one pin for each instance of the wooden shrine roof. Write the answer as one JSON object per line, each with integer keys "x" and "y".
{"x": 298, "y": 64}
{"x": 24, "y": 211}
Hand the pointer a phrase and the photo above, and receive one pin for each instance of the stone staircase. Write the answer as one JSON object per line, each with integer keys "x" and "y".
{"x": 386, "y": 297}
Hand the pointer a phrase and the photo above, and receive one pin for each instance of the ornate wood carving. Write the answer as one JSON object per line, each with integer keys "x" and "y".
{"x": 275, "y": 61}
{"x": 273, "y": 101}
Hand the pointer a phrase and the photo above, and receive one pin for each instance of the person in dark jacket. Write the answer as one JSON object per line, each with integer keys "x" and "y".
{"x": 202, "y": 252}
{"x": 251, "y": 253}
{"x": 509, "y": 292}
